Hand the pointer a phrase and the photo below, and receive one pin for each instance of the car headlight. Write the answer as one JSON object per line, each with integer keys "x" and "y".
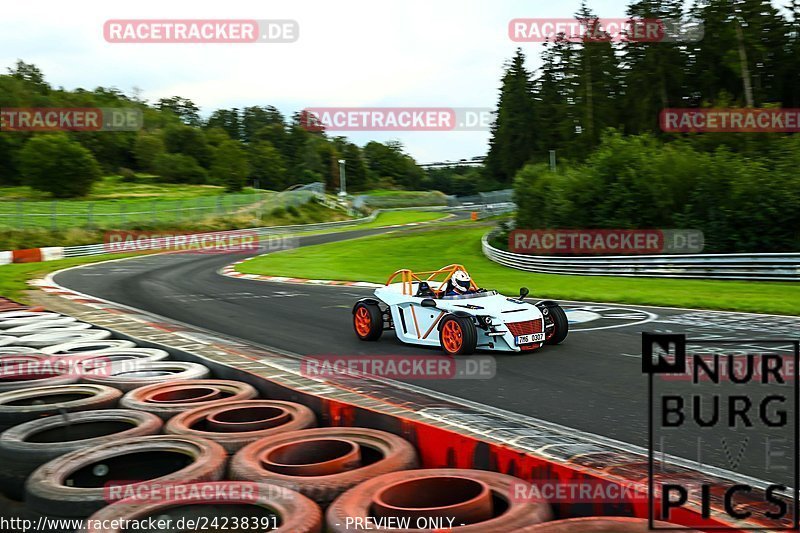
{"x": 545, "y": 311}
{"x": 485, "y": 320}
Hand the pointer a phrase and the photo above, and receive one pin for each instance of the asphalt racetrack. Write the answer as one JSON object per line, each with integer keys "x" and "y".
{"x": 593, "y": 382}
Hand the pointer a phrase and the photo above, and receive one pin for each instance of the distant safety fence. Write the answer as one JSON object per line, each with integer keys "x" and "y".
{"x": 504, "y": 196}
{"x": 756, "y": 267}
{"x": 433, "y": 198}
{"x": 64, "y": 214}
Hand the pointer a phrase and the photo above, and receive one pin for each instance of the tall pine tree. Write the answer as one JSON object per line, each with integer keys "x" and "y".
{"x": 513, "y": 140}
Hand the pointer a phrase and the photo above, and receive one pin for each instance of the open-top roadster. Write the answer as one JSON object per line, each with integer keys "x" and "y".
{"x": 446, "y": 308}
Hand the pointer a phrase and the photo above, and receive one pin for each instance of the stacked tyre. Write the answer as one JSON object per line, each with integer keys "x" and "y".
{"x": 116, "y": 432}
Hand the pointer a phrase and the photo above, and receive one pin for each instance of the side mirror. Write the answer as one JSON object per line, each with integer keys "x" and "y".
{"x": 428, "y": 302}
{"x": 523, "y": 292}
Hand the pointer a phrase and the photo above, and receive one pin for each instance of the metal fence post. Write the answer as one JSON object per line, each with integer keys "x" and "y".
{"x": 53, "y": 215}
{"x": 153, "y": 211}
{"x": 122, "y": 217}
{"x": 21, "y": 214}
{"x": 90, "y": 215}
{"x": 256, "y": 196}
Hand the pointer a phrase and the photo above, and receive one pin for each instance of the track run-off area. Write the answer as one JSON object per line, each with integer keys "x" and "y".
{"x": 593, "y": 382}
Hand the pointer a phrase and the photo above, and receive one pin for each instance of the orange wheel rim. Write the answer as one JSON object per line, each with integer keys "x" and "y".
{"x": 452, "y": 336}
{"x": 362, "y": 321}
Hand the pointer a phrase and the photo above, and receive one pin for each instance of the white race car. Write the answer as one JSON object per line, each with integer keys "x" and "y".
{"x": 446, "y": 308}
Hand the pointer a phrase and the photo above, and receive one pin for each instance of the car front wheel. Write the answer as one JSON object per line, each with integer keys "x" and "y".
{"x": 560, "y": 324}
{"x": 458, "y": 335}
{"x": 368, "y": 321}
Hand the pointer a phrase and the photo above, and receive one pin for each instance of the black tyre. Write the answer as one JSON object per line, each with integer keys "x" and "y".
{"x": 27, "y": 446}
{"x": 368, "y": 321}
{"x": 10, "y": 509}
{"x": 22, "y": 405}
{"x": 558, "y": 318}
{"x": 458, "y": 335}
{"x": 75, "y": 484}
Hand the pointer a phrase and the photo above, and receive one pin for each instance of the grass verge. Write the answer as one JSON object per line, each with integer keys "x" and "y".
{"x": 374, "y": 258}
{"x": 394, "y": 198}
{"x": 14, "y": 278}
{"x": 385, "y": 218}
{"x": 390, "y": 218}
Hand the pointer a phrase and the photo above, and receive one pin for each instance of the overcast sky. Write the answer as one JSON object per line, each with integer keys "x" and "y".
{"x": 354, "y": 53}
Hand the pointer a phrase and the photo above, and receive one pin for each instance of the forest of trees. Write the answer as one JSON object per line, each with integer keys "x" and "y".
{"x": 232, "y": 147}
{"x": 597, "y": 104}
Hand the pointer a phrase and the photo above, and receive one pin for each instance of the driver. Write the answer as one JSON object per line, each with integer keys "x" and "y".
{"x": 458, "y": 284}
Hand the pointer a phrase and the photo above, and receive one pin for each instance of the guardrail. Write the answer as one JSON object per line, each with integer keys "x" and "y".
{"x": 103, "y": 248}
{"x": 756, "y": 267}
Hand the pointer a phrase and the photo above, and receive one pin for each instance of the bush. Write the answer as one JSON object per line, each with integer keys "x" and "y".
{"x": 741, "y": 204}
{"x": 179, "y": 168}
{"x": 146, "y": 149}
{"x": 182, "y": 139}
{"x": 127, "y": 175}
{"x": 267, "y": 166}
{"x": 53, "y": 163}
{"x": 293, "y": 211}
{"x": 230, "y": 167}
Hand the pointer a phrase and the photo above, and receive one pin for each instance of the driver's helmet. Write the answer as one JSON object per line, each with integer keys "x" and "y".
{"x": 461, "y": 281}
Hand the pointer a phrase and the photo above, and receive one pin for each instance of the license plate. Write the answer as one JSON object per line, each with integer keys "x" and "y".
{"x": 529, "y": 339}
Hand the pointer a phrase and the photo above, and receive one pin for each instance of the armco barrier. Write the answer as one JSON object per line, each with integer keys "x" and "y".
{"x": 756, "y": 267}
{"x": 95, "y": 249}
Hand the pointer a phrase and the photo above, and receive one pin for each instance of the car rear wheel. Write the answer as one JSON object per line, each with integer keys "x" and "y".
{"x": 458, "y": 335}
{"x": 368, "y": 321}
{"x": 558, "y": 318}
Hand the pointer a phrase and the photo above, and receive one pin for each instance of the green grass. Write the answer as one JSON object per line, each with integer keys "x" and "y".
{"x": 384, "y": 218}
{"x": 113, "y": 188}
{"x": 375, "y": 258}
{"x": 393, "y": 198}
{"x": 13, "y": 278}
{"x": 114, "y": 203}
{"x": 394, "y": 192}
{"x": 390, "y": 218}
